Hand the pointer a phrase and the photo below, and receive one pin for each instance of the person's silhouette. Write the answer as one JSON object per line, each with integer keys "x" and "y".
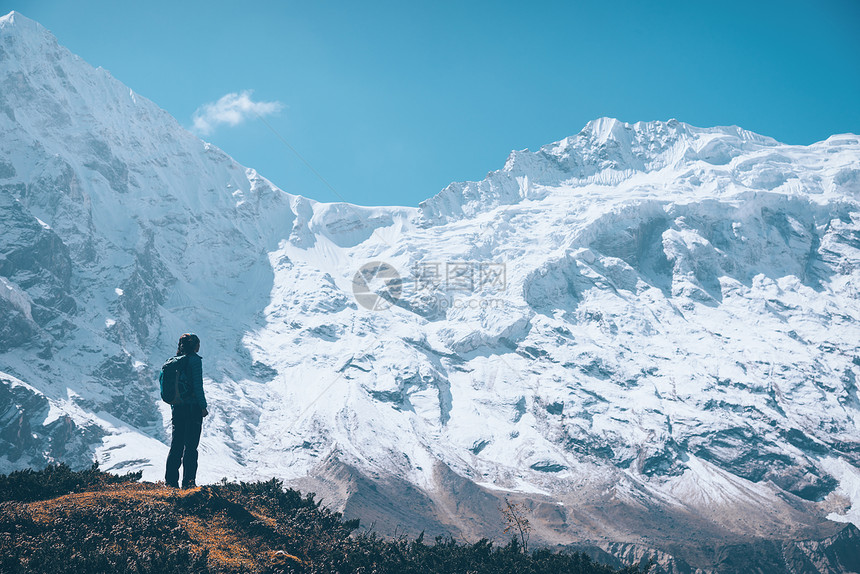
{"x": 187, "y": 421}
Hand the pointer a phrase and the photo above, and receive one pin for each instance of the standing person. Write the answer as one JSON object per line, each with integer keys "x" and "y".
{"x": 187, "y": 420}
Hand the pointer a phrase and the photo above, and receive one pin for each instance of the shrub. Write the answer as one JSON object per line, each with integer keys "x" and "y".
{"x": 56, "y": 480}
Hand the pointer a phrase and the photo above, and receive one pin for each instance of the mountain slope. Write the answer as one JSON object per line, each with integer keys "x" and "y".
{"x": 646, "y": 332}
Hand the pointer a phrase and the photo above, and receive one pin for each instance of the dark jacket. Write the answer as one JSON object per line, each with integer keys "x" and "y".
{"x": 195, "y": 371}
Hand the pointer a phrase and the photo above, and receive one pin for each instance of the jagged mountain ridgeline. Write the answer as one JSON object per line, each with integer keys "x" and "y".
{"x": 646, "y": 333}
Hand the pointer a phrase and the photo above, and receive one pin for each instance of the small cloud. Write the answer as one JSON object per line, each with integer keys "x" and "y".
{"x": 232, "y": 109}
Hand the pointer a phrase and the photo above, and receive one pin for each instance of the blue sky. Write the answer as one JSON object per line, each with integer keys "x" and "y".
{"x": 391, "y": 101}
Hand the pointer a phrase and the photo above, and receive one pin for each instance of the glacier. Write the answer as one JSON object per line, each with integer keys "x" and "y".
{"x": 646, "y": 332}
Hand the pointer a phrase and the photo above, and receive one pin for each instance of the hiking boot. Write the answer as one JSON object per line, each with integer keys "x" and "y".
{"x": 173, "y": 484}
{"x": 189, "y": 484}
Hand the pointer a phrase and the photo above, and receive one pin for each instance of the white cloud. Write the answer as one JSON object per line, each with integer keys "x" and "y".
{"x": 232, "y": 109}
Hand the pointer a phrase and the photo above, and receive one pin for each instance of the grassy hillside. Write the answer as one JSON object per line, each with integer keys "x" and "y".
{"x": 58, "y": 520}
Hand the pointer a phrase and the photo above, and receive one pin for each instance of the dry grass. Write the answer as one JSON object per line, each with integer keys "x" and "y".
{"x": 232, "y": 538}
{"x": 145, "y": 495}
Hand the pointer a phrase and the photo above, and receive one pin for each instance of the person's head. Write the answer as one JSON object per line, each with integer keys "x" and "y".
{"x": 188, "y": 343}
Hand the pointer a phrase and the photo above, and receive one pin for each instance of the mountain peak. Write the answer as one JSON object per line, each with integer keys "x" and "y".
{"x": 606, "y": 152}
{"x": 18, "y": 22}
{"x": 606, "y": 128}
{"x": 25, "y": 40}
{"x": 10, "y": 17}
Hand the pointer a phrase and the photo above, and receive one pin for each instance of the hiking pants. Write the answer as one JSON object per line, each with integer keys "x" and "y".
{"x": 187, "y": 423}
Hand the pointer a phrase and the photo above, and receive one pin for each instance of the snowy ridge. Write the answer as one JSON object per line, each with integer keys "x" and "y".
{"x": 674, "y": 333}
{"x": 610, "y": 153}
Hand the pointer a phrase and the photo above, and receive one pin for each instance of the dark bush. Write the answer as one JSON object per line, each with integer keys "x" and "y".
{"x": 56, "y": 480}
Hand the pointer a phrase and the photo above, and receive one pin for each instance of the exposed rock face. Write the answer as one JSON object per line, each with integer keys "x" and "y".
{"x": 646, "y": 333}
{"x": 837, "y": 553}
{"x": 36, "y": 270}
{"x": 32, "y": 436}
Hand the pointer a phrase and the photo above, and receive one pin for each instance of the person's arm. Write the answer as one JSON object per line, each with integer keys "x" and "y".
{"x": 196, "y": 364}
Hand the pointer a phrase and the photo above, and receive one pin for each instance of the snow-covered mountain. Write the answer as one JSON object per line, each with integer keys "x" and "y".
{"x": 648, "y": 333}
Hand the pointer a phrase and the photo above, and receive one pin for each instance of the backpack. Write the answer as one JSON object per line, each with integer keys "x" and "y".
{"x": 175, "y": 381}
